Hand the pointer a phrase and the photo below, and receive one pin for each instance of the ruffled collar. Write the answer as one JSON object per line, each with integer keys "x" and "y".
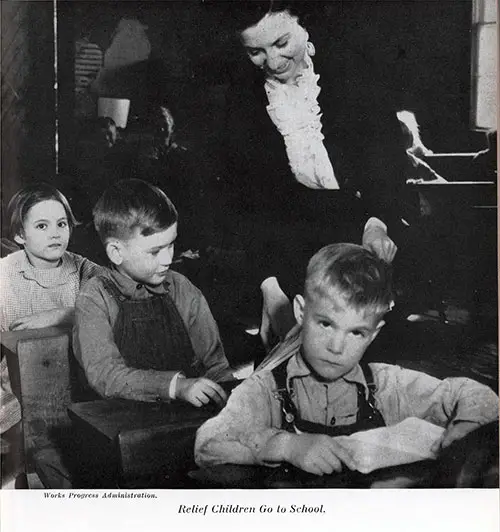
{"x": 306, "y": 75}
{"x": 294, "y": 110}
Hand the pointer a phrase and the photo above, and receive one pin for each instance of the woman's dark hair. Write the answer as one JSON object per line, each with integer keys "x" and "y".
{"x": 248, "y": 13}
{"x": 242, "y": 14}
{"x": 28, "y": 197}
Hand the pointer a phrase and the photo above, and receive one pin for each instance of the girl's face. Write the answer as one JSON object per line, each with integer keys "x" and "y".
{"x": 277, "y": 44}
{"x": 45, "y": 234}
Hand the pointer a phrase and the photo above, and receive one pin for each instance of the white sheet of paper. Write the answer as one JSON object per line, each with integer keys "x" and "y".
{"x": 408, "y": 441}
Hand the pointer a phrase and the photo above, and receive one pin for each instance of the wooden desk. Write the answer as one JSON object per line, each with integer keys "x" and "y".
{"x": 134, "y": 444}
{"x": 10, "y": 339}
{"x": 471, "y": 462}
{"x": 150, "y": 445}
{"x": 287, "y": 477}
{"x": 39, "y": 363}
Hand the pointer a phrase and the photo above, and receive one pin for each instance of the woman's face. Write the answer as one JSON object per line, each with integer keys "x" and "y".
{"x": 277, "y": 45}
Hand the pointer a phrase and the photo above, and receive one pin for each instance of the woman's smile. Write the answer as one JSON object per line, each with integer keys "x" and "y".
{"x": 280, "y": 70}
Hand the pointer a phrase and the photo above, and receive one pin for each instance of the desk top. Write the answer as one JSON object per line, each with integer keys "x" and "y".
{"x": 111, "y": 416}
{"x": 9, "y": 339}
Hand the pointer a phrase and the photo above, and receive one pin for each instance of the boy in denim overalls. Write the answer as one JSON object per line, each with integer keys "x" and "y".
{"x": 142, "y": 331}
{"x": 316, "y": 386}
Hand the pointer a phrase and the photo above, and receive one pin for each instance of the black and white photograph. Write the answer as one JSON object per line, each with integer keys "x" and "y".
{"x": 249, "y": 263}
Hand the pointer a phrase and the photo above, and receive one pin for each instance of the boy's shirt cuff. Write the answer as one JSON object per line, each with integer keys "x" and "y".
{"x": 173, "y": 385}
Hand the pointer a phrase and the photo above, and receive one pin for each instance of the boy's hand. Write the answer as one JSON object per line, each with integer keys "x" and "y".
{"x": 46, "y": 318}
{"x": 199, "y": 392}
{"x": 318, "y": 454}
{"x": 455, "y": 431}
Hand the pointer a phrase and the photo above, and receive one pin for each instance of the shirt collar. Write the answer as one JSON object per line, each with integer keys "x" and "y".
{"x": 50, "y": 276}
{"x": 298, "y": 368}
{"x": 134, "y": 290}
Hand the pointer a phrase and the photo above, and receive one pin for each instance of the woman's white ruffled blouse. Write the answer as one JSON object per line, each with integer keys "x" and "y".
{"x": 296, "y": 114}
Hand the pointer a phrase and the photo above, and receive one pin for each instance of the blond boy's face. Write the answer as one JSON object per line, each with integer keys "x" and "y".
{"x": 145, "y": 259}
{"x": 335, "y": 335}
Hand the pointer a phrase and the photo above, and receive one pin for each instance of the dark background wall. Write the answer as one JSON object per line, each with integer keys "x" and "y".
{"x": 28, "y": 97}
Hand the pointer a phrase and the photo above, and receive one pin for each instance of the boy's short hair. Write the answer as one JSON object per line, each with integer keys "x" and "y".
{"x": 133, "y": 204}
{"x": 360, "y": 276}
{"x": 28, "y": 197}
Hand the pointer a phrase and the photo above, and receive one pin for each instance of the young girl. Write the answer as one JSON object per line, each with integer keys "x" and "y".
{"x": 41, "y": 281}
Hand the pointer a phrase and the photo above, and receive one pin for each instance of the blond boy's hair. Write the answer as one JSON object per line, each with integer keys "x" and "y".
{"x": 363, "y": 280}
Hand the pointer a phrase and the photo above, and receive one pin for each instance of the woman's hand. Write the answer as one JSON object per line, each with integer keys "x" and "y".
{"x": 277, "y": 313}
{"x": 47, "y": 318}
{"x": 376, "y": 240}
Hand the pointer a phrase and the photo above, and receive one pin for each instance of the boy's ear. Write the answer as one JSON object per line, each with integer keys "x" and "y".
{"x": 298, "y": 308}
{"x": 114, "y": 251}
{"x": 381, "y": 323}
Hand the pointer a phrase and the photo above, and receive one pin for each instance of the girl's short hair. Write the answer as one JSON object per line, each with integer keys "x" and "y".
{"x": 363, "y": 279}
{"x": 133, "y": 204}
{"x": 28, "y": 197}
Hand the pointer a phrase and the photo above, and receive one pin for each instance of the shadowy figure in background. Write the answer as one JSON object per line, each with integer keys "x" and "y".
{"x": 162, "y": 161}
{"x": 106, "y": 132}
{"x": 102, "y": 158}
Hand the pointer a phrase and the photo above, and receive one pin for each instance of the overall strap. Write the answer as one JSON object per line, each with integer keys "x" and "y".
{"x": 111, "y": 288}
{"x": 177, "y": 341}
{"x": 281, "y": 393}
{"x": 368, "y": 413}
{"x": 368, "y": 416}
{"x": 370, "y": 382}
